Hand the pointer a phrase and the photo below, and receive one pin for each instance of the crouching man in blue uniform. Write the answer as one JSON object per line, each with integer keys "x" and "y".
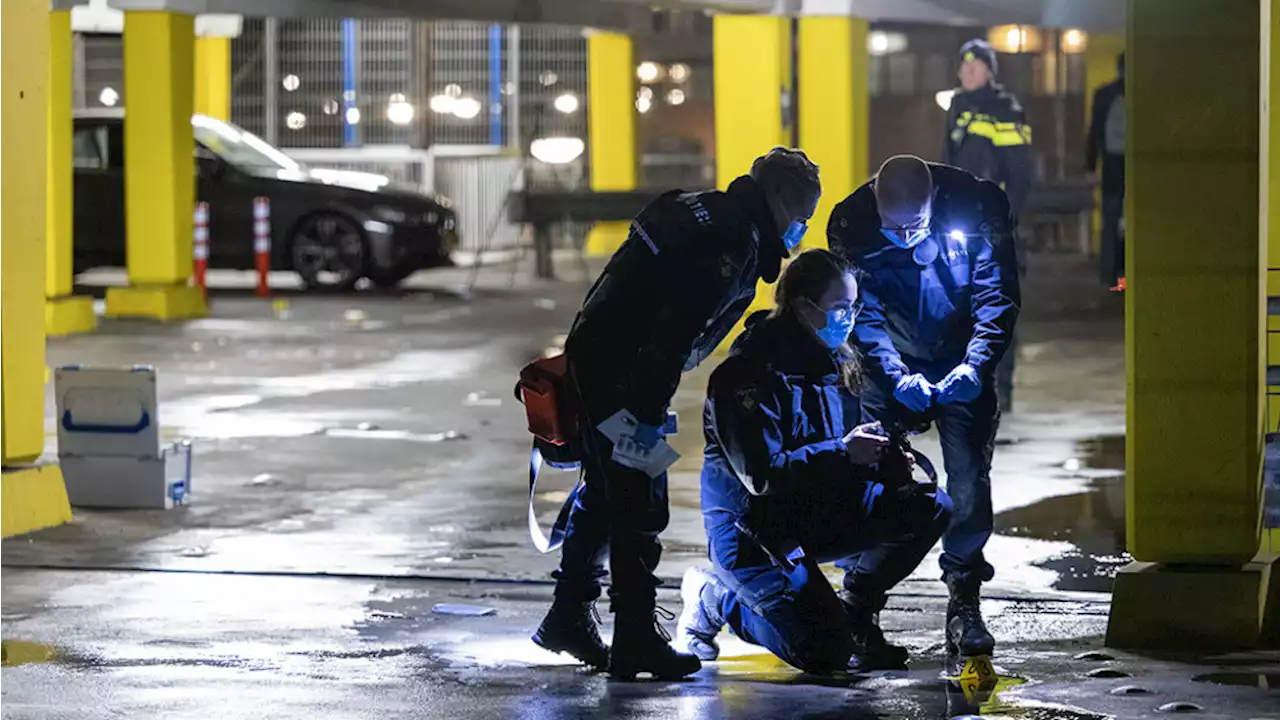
{"x": 682, "y": 279}
{"x": 793, "y": 478}
{"x": 941, "y": 297}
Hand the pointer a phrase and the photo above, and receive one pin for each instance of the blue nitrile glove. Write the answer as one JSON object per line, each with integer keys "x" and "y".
{"x": 961, "y": 385}
{"x": 672, "y": 425}
{"x": 646, "y": 436}
{"x": 915, "y": 392}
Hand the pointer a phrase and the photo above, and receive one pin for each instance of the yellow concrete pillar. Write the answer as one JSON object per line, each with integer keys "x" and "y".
{"x": 1194, "y": 327}
{"x": 64, "y": 313}
{"x": 213, "y": 77}
{"x": 159, "y": 79}
{"x": 1270, "y": 198}
{"x": 753, "y": 102}
{"x": 752, "y": 73}
{"x": 1099, "y": 69}
{"x": 30, "y": 497}
{"x": 611, "y": 127}
{"x": 833, "y": 110}
{"x": 24, "y": 57}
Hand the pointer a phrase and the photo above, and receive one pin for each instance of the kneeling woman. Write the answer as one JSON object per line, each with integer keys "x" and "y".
{"x": 792, "y": 479}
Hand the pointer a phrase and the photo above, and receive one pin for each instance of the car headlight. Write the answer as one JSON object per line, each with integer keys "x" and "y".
{"x": 389, "y": 214}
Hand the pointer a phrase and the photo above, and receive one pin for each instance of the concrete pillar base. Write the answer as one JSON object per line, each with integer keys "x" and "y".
{"x": 32, "y": 498}
{"x": 13, "y": 654}
{"x": 1269, "y": 601}
{"x": 1194, "y": 608}
{"x": 156, "y": 302}
{"x": 69, "y": 315}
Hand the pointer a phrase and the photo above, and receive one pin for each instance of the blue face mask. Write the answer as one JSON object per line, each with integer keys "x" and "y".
{"x": 913, "y": 237}
{"x": 839, "y": 325}
{"x": 794, "y": 233}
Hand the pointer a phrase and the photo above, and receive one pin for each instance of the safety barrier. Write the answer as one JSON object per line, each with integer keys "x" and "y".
{"x": 200, "y": 248}
{"x": 262, "y": 245}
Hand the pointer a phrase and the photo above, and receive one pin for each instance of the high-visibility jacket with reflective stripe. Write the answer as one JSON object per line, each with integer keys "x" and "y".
{"x": 988, "y": 135}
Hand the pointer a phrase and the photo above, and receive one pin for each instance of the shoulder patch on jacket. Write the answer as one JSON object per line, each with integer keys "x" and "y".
{"x": 748, "y": 396}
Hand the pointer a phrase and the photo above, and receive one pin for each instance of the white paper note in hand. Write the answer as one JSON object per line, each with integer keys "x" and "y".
{"x": 652, "y": 462}
{"x": 620, "y": 424}
{"x": 620, "y": 428}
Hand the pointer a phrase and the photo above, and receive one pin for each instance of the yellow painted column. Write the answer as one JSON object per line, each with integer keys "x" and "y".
{"x": 64, "y": 313}
{"x": 1099, "y": 69}
{"x": 1270, "y": 199}
{"x": 752, "y": 73}
{"x": 1194, "y": 326}
{"x": 30, "y": 497}
{"x": 24, "y": 58}
{"x": 213, "y": 77}
{"x": 612, "y": 129}
{"x": 833, "y": 110}
{"x": 159, "y": 79}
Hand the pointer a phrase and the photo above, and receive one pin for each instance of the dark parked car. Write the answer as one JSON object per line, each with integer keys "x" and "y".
{"x": 332, "y": 227}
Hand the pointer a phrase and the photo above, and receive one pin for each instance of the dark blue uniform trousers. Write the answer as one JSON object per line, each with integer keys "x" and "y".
{"x": 877, "y": 536}
{"x": 967, "y": 432}
{"x": 619, "y": 514}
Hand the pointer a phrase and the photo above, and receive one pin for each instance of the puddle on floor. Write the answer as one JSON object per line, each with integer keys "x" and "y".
{"x": 1105, "y": 452}
{"x": 1093, "y": 521}
{"x": 21, "y": 652}
{"x": 1266, "y": 681}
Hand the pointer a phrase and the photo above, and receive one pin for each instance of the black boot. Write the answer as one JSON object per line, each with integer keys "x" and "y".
{"x": 967, "y": 635}
{"x": 870, "y": 649}
{"x": 574, "y": 628}
{"x": 700, "y": 621}
{"x": 642, "y": 645}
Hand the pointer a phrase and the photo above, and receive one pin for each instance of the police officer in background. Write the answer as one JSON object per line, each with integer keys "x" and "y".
{"x": 683, "y": 278}
{"x": 987, "y": 131}
{"x": 988, "y": 135}
{"x": 1106, "y": 143}
{"x": 940, "y": 298}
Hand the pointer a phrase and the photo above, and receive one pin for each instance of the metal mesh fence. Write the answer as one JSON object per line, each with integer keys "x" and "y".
{"x": 306, "y": 80}
{"x": 100, "y": 82}
{"x": 249, "y": 77}
{"x": 462, "y": 85}
{"x": 386, "y": 82}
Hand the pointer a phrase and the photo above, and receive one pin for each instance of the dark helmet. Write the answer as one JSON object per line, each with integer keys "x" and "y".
{"x": 981, "y": 50}
{"x": 790, "y": 182}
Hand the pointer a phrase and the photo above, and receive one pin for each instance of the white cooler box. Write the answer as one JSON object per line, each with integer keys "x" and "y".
{"x": 109, "y": 440}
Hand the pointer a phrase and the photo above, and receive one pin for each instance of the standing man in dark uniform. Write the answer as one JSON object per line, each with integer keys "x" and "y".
{"x": 682, "y": 279}
{"x": 988, "y": 135}
{"x": 1106, "y": 142}
{"x": 940, "y": 299}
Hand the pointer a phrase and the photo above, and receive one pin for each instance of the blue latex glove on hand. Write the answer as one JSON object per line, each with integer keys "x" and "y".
{"x": 646, "y": 436}
{"x": 961, "y": 385}
{"x": 915, "y": 392}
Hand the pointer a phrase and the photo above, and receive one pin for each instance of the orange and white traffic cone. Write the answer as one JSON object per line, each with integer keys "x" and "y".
{"x": 200, "y": 248}
{"x": 262, "y": 245}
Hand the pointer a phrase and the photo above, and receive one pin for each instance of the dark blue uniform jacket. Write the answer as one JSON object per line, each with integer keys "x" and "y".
{"x": 961, "y": 307}
{"x": 682, "y": 279}
{"x": 775, "y": 416}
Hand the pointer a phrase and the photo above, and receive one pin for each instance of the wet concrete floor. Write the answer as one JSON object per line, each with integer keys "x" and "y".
{"x": 359, "y": 460}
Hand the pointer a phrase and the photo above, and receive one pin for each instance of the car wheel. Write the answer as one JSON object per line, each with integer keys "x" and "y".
{"x": 329, "y": 252}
